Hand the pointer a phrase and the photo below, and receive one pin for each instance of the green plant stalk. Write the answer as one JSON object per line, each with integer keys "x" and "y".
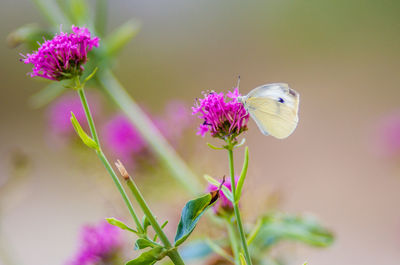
{"x": 149, "y": 132}
{"x": 105, "y": 162}
{"x": 173, "y": 253}
{"x": 233, "y": 239}
{"x": 89, "y": 117}
{"x": 236, "y": 207}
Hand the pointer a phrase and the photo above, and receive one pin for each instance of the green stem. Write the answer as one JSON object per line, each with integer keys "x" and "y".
{"x": 105, "y": 162}
{"x": 233, "y": 239}
{"x": 89, "y": 117}
{"x": 149, "y": 132}
{"x": 121, "y": 190}
{"x": 236, "y": 207}
{"x": 173, "y": 253}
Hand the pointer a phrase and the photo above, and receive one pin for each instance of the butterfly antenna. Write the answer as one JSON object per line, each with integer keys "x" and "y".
{"x": 238, "y": 82}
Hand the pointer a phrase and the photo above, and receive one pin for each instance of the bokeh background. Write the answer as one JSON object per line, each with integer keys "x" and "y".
{"x": 342, "y": 56}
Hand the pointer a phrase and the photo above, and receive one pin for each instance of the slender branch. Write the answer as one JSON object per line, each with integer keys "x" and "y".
{"x": 88, "y": 115}
{"x": 105, "y": 162}
{"x": 174, "y": 255}
{"x": 233, "y": 240}
{"x": 236, "y": 207}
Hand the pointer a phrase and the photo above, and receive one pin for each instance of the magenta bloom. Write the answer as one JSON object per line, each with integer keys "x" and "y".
{"x": 59, "y": 113}
{"x": 63, "y": 56}
{"x": 122, "y": 138}
{"x": 98, "y": 245}
{"x": 223, "y": 204}
{"x": 223, "y": 116}
{"x": 389, "y": 135}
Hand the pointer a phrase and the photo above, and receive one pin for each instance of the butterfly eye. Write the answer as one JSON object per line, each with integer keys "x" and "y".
{"x": 280, "y": 100}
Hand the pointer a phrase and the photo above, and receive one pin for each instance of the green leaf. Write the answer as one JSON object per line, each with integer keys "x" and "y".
{"x": 82, "y": 134}
{"x": 149, "y": 257}
{"x": 212, "y": 180}
{"x": 191, "y": 214}
{"x": 277, "y": 227}
{"x": 227, "y": 193}
{"x": 142, "y": 243}
{"x": 214, "y": 147}
{"x": 120, "y": 37}
{"x": 242, "y": 259}
{"x": 90, "y": 76}
{"x": 242, "y": 174}
{"x": 145, "y": 223}
{"x": 120, "y": 224}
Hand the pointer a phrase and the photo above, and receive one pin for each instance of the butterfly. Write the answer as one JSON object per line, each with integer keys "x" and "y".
{"x": 274, "y": 108}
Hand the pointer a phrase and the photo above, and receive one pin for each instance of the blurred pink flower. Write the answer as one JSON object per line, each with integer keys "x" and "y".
{"x": 389, "y": 135}
{"x": 175, "y": 119}
{"x": 63, "y": 56}
{"x": 98, "y": 244}
{"x": 222, "y": 116}
{"x": 59, "y": 113}
{"x": 124, "y": 140}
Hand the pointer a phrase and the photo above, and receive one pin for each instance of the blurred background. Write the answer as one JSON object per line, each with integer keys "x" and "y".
{"x": 343, "y": 58}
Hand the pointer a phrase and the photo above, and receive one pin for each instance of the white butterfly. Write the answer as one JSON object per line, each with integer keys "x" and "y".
{"x": 274, "y": 108}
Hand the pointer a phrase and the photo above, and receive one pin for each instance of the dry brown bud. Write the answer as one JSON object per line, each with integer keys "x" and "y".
{"x": 122, "y": 170}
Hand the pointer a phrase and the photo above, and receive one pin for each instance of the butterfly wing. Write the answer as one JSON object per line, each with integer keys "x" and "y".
{"x": 274, "y": 108}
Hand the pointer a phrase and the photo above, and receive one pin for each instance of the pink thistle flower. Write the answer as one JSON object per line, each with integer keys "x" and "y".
{"x": 223, "y": 204}
{"x": 59, "y": 113}
{"x": 63, "y": 56}
{"x": 223, "y": 116}
{"x": 98, "y": 244}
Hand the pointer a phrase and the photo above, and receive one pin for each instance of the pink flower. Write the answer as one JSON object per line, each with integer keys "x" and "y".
{"x": 222, "y": 116}
{"x": 63, "y": 56}
{"x": 98, "y": 244}
{"x": 389, "y": 135}
{"x": 122, "y": 138}
{"x": 126, "y": 143}
{"x": 59, "y": 113}
{"x": 223, "y": 204}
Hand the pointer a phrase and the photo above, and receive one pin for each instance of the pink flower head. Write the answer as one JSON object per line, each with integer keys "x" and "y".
{"x": 223, "y": 116}
{"x": 63, "y": 56}
{"x": 59, "y": 113}
{"x": 389, "y": 135}
{"x": 223, "y": 204}
{"x": 98, "y": 244}
{"x": 122, "y": 138}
